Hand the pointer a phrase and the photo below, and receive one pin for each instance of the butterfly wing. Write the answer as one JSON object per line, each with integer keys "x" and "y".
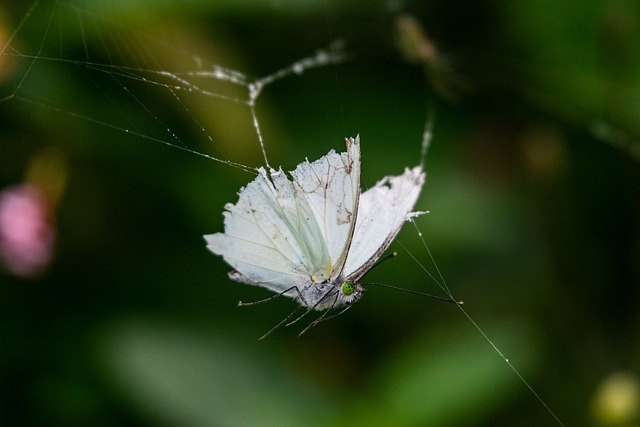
{"x": 331, "y": 186}
{"x": 265, "y": 239}
{"x": 281, "y": 233}
{"x": 382, "y": 211}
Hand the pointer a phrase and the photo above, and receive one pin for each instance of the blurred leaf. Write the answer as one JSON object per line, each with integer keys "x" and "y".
{"x": 181, "y": 377}
{"x": 446, "y": 377}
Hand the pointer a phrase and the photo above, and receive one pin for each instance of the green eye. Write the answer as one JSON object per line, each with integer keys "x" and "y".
{"x": 348, "y": 288}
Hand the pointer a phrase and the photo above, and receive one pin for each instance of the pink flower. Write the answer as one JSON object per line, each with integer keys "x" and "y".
{"x": 26, "y": 233}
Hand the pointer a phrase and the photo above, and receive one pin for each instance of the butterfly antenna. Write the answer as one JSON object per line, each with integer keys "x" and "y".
{"x": 410, "y": 291}
{"x": 393, "y": 255}
{"x": 383, "y": 259}
{"x": 386, "y": 258}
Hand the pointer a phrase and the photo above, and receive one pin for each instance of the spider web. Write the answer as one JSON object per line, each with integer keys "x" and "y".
{"x": 143, "y": 78}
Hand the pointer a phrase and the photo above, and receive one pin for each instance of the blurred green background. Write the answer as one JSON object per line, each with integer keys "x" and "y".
{"x": 533, "y": 193}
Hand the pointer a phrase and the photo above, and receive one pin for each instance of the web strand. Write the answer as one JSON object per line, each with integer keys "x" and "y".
{"x": 441, "y": 282}
{"x": 178, "y": 84}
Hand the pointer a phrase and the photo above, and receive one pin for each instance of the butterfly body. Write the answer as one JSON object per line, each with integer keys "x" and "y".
{"x": 326, "y": 295}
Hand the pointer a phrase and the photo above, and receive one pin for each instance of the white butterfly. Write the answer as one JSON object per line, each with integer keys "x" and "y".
{"x": 314, "y": 237}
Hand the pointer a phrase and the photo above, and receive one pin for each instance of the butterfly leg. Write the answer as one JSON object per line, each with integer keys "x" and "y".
{"x": 333, "y": 316}
{"x": 330, "y": 293}
{"x": 323, "y": 316}
{"x": 283, "y": 321}
{"x": 283, "y": 293}
{"x": 286, "y": 319}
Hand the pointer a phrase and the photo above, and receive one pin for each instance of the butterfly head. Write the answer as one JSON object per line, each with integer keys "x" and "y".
{"x": 350, "y": 292}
